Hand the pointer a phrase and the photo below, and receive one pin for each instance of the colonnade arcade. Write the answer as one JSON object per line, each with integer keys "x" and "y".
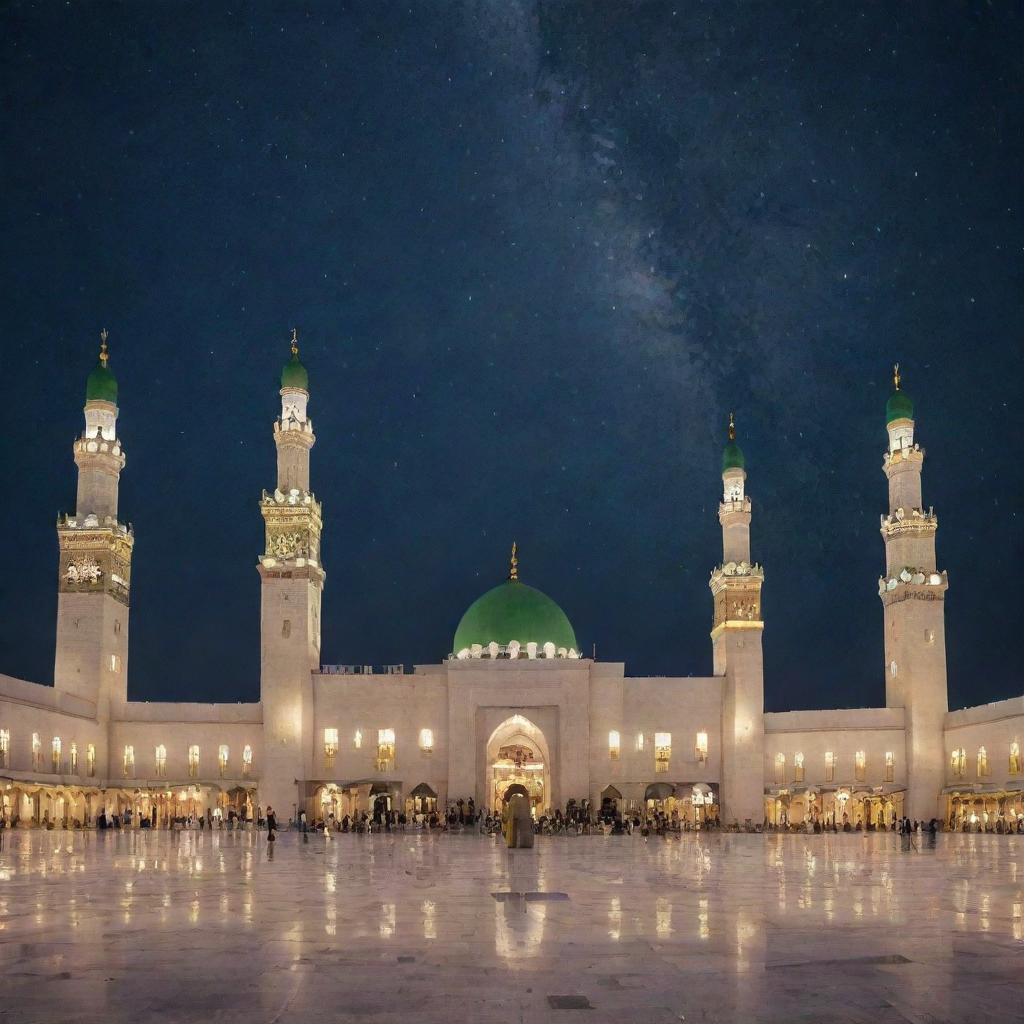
{"x": 968, "y": 810}
{"x": 873, "y": 807}
{"x": 30, "y": 804}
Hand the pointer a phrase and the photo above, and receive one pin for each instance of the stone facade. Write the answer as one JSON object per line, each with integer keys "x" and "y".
{"x": 343, "y": 739}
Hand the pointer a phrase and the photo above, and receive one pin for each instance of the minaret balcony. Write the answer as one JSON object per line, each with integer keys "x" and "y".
{"x": 913, "y": 584}
{"x": 909, "y": 521}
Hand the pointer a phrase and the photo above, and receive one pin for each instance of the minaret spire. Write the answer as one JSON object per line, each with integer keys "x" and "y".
{"x": 732, "y": 427}
{"x": 513, "y": 564}
{"x": 896, "y": 377}
{"x": 104, "y": 354}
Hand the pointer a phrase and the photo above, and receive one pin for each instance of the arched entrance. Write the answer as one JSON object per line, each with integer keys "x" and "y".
{"x": 610, "y": 798}
{"x": 517, "y": 755}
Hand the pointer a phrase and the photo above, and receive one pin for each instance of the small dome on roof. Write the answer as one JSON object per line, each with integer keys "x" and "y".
{"x": 101, "y": 384}
{"x": 899, "y": 406}
{"x": 732, "y": 456}
{"x": 294, "y": 374}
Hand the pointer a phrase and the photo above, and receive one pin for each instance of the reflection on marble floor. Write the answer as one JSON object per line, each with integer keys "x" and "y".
{"x": 200, "y": 927}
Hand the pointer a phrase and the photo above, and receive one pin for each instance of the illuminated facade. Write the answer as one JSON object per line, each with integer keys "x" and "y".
{"x": 514, "y": 703}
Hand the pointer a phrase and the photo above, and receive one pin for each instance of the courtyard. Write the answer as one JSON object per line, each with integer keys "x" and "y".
{"x": 217, "y": 927}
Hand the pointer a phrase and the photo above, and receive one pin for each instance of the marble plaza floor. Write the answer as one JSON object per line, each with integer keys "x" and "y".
{"x": 199, "y": 927}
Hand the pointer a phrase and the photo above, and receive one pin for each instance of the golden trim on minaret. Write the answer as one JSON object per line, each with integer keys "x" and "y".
{"x": 513, "y": 564}
{"x": 104, "y": 354}
{"x": 732, "y": 427}
{"x": 896, "y": 376}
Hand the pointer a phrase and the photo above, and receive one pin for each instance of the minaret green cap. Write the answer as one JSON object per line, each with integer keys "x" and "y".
{"x": 101, "y": 384}
{"x": 294, "y": 374}
{"x": 899, "y": 406}
{"x": 732, "y": 457}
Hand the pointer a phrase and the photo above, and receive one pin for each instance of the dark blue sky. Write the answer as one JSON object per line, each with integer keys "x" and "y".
{"x": 535, "y": 254}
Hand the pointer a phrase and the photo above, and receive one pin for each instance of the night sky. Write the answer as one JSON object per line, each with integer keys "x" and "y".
{"x": 535, "y": 254}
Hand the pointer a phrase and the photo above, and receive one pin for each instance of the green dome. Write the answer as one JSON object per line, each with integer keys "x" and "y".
{"x": 732, "y": 457}
{"x": 101, "y": 385}
{"x": 899, "y": 407}
{"x": 294, "y": 374}
{"x": 514, "y": 611}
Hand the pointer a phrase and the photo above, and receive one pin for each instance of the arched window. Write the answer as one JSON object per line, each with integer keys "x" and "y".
{"x": 798, "y": 767}
{"x": 958, "y": 762}
{"x": 1014, "y": 758}
{"x": 330, "y": 746}
{"x": 780, "y": 769}
{"x": 90, "y": 759}
{"x": 427, "y": 741}
{"x": 37, "y": 752}
{"x": 5, "y": 748}
{"x": 160, "y": 760}
{"x": 614, "y": 745}
{"x": 223, "y": 757}
{"x": 982, "y": 762}
{"x": 128, "y": 761}
{"x": 55, "y": 747}
{"x": 890, "y": 766}
{"x": 385, "y": 749}
{"x": 662, "y": 751}
{"x": 193, "y": 761}
{"x": 860, "y": 765}
{"x": 246, "y": 759}
{"x": 830, "y": 765}
{"x": 700, "y": 747}
{"x": 74, "y": 758}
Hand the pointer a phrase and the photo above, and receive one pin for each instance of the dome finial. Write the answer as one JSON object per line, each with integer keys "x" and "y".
{"x": 513, "y": 564}
{"x": 732, "y": 427}
{"x": 295, "y": 341}
{"x": 896, "y": 376}
{"x": 104, "y": 354}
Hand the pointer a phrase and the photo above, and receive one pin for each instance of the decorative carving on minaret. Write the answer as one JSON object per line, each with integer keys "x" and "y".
{"x": 293, "y": 523}
{"x": 736, "y": 589}
{"x": 95, "y": 559}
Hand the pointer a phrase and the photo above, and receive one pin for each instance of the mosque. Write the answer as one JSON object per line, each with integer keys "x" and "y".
{"x": 515, "y": 702}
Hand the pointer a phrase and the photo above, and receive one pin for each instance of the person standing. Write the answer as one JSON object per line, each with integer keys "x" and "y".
{"x": 271, "y": 825}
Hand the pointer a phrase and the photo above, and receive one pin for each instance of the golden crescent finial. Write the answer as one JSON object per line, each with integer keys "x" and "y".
{"x": 732, "y": 427}
{"x": 896, "y": 376}
{"x": 295, "y": 341}
{"x": 513, "y": 564}
{"x": 104, "y": 354}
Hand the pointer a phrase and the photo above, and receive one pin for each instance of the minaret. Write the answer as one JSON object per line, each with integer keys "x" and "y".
{"x": 95, "y": 558}
{"x": 913, "y": 595}
{"x": 292, "y": 582}
{"x": 736, "y": 641}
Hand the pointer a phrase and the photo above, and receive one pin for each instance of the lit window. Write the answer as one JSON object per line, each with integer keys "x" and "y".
{"x": 74, "y": 758}
{"x": 427, "y": 740}
{"x": 160, "y": 760}
{"x": 640, "y": 742}
{"x": 958, "y": 762}
{"x": 614, "y": 744}
{"x": 193, "y": 761}
{"x": 223, "y": 757}
{"x": 890, "y": 766}
{"x": 37, "y": 752}
{"x": 798, "y": 767}
{"x": 780, "y": 769}
{"x": 982, "y": 762}
{"x": 55, "y": 756}
{"x": 115, "y": 662}
{"x": 358, "y": 739}
{"x": 830, "y": 765}
{"x": 128, "y": 761}
{"x": 246, "y": 759}
{"x": 5, "y": 748}
{"x": 330, "y": 746}
{"x": 90, "y": 759}
{"x": 893, "y": 669}
{"x": 859, "y": 765}
{"x": 385, "y": 749}
{"x": 700, "y": 747}
{"x": 1014, "y": 758}
{"x": 662, "y": 751}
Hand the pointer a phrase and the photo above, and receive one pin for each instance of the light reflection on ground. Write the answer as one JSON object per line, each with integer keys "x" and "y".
{"x": 200, "y": 926}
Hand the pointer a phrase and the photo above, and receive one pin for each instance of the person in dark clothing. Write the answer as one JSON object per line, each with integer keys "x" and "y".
{"x": 271, "y": 825}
